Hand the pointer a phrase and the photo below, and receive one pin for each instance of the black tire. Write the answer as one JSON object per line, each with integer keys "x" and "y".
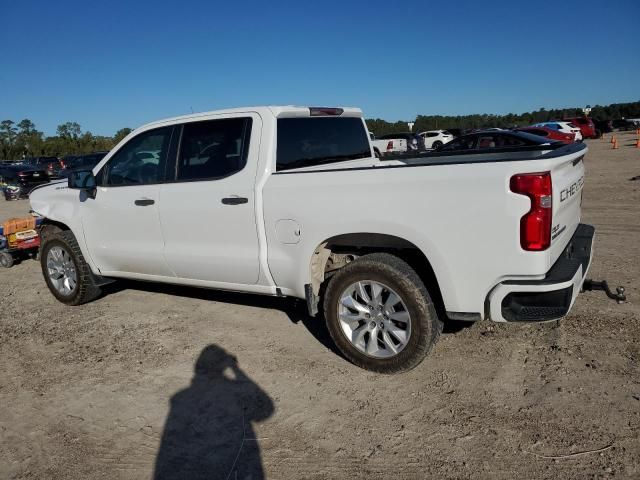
{"x": 437, "y": 144}
{"x": 6, "y": 260}
{"x": 85, "y": 289}
{"x": 399, "y": 276}
{"x": 376, "y": 152}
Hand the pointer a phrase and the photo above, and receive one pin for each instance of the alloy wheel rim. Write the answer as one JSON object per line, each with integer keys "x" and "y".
{"x": 61, "y": 270}
{"x": 374, "y": 319}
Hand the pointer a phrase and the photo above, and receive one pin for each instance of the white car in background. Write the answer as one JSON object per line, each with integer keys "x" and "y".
{"x": 436, "y": 138}
{"x": 564, "y": 127}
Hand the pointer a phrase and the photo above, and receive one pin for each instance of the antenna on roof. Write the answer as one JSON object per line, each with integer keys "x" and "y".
{"x": 191, "y": 109}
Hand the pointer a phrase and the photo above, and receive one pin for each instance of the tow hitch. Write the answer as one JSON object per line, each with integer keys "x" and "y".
{"x": 590, "y": 285}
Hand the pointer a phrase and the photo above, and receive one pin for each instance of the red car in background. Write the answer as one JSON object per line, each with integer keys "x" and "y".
{"x": 586, "y": 126}
{"x": 549, "y": 133}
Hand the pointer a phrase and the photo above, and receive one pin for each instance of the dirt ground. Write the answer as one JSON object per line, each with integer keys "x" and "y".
{"x": 156, "y": 378}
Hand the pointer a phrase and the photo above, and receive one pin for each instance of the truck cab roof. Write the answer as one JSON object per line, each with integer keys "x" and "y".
{"x": 281, "y": 111}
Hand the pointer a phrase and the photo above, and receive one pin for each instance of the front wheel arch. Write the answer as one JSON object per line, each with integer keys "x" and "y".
{"x": 48, "y": 228}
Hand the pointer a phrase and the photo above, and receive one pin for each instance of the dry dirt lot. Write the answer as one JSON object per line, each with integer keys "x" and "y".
{"x": 155, "y": 378}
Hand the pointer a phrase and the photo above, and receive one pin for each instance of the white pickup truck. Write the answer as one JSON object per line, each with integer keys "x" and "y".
{"x": 291, "y": 201}
{"x": 387, "y": 146}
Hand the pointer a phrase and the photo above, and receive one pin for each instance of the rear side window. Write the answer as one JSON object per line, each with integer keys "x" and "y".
{"x": 304, "y": 142}
{"x": 213, "y": 149}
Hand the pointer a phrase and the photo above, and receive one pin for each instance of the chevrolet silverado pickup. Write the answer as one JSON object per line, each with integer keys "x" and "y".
{"x": 291, "y": 201}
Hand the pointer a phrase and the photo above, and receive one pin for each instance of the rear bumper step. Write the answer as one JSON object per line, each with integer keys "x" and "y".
{"x": 553, "y": 296}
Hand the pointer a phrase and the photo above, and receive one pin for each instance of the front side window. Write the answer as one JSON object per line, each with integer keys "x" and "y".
{"x": 304, "y": 142}
{"x": 141, "y": 161}
{"x": 213, "y": 149}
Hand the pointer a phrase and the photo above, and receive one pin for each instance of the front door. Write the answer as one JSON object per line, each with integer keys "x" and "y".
{"x": 208, "y": 212}
{"x": 121, "y": 224}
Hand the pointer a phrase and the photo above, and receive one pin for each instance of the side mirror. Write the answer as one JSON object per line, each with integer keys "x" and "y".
{"x": 83, "y": 180}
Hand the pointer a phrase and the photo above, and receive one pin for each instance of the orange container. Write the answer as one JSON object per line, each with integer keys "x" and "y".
{"x": 14, "y": 225}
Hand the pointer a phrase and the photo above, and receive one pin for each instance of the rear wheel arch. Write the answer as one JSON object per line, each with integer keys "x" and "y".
{"x": 338, "y": 251}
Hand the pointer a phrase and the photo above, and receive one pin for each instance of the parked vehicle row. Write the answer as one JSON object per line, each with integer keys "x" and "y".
{"x": 51, "y": 165}
{"x": 569, "y": 130}
{"x": 18, "y": 178}
{"x": 80, "y": 162}
{"x": 407, "y": 142}
{"x": 549, "y": 133}
{"x": 564, "y": 127}
{"x": 496, "y": 141}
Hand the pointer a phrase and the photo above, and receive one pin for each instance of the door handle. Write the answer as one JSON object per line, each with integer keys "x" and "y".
{"x": 234, "y": 200}
{"x": 143, "y": 202}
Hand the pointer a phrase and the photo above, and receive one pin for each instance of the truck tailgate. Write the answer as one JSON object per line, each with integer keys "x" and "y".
{"x": 567, "y": 178}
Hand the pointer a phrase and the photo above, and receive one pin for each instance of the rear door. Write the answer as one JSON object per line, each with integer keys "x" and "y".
{"x": 208, "y": 210}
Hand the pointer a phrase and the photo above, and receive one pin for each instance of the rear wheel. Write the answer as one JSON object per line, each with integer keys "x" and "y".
{"x": 437, "y": 144}
{"x": 380, "y": 314}
{"x": 65, "y": 270}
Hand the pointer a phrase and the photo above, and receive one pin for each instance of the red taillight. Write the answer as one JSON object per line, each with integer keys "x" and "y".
{"x": 390, "y": 146}
{"x": 535, "y": 226}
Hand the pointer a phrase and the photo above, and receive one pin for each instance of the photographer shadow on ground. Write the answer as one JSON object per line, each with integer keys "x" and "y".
{"x": 209, "y": 433}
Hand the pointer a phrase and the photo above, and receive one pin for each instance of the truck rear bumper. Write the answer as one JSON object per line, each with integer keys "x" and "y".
{"x": 552, "y": 297}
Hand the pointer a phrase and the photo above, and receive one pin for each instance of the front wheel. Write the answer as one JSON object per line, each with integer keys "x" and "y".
{"x": 380, "y": 314}
{"x": 65, "y": 270}
{"x": 436, "y": 145}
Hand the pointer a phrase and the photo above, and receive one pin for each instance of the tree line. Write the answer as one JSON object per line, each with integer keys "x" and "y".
{"x": 442, "y": 122}
{"x": 22, "y": 139}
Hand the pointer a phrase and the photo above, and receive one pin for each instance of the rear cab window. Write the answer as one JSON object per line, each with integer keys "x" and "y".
{"x": 309, "y": 141}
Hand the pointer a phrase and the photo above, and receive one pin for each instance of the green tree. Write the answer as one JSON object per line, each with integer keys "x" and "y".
{"x": 120, "y": 134}
{"x": 28, "y": 140}
{"x": 8, "y": 134}
{"x": 69, "y": 130}
{"x": 26, "y": 127}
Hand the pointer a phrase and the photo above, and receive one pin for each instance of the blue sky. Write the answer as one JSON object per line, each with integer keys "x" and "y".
{"x": 112, "y": 64}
